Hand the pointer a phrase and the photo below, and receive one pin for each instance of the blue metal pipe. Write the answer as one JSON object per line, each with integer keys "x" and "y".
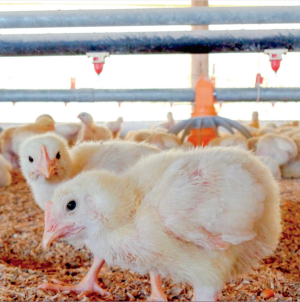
{"x": 149, "y": 17}
{"x": 201, "y": 41}
{"x": 147, "y": 95}
{"x": 98, "y": 95}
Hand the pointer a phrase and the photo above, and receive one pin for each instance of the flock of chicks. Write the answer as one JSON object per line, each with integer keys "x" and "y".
{"x": 277, "y": 147}
{"x": 151, "y": 204}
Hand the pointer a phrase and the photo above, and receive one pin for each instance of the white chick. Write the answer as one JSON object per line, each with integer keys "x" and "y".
{"x": 115, "y": 126}
{"x": 272, "y": 164}
{"x": 270, "y": 125}
{"x": 70, "y": 131}
{"x": 201, "y": 216}
{"x": 291, "y": 169}
{"x": 5, "y": 168}
{"x": 279, "y": 147}
{"x": 46, "y": 161}
{"x": 92, "y": 132}
{"x": 165, "y": 125}
{"x": 229, "y": 141}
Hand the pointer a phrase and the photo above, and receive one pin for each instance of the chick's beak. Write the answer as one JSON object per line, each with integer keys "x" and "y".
{"x": 45, "y": 165}
{"x": 52, "y": 233}
{"x": 54, "y": 230}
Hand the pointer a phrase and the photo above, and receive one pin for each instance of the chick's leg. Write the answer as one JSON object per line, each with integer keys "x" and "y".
{"x": 205, "y": 293}
{"x": 157, "y": 293}
{"x": 87, "y": 286}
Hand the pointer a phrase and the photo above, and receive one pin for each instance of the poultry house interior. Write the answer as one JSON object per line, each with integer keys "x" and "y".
{"x": 149, "y": 166}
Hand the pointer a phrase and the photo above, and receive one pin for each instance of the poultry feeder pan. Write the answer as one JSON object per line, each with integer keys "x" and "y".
{"x": 204, "y": 122}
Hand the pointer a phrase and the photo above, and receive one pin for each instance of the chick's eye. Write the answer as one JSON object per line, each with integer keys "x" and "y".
{"x": 58, "y": 155}
{"x": 30, "y": 159}
{"x": 71, "y": 205}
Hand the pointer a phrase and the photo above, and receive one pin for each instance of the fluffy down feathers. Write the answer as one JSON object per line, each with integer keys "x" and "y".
{"x": 163, "y": 141}
{"x": 165, "y": 125}
{"x": 5, "y": 168}
{"x": 229, "y": 141}
{"x": 115, "y": 156}
{"x": 115, "y": 126}
{"x": 280, "y": 148}
{"x": 272, "y": 164}
{"x": 291, "y": 169}
{"x": 138, "y": 135}
{"x": 92, "y": 132}
{"x": 69, "y": 131}
{"x": 6, "y": 146}
{"x": 22, "y": 133}
{"x": 201, "y": 216}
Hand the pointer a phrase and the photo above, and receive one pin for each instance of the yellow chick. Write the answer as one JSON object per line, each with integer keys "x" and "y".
{"x": 6, "y": 147}
{"x": 22, "y": 133}
{"x": 138, "y": 135}
{"x": 5, "y": 169}
{"x": 90, "y": 131}
{"x": 46, "y": 161}
{"x": 255, "y": 121}
{"x": 252, "y": 143}
{"x": 12, "y": 138}
{"x": 44, "y": 116}
{"x": 200, "y": 216}
{"x": 163, "y": 141}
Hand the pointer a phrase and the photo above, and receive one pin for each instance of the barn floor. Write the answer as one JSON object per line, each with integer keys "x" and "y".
{"x": 24, "y": 265}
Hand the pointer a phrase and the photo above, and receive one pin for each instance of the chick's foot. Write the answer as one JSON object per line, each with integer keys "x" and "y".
{"x": 157, "y": 293}
{"x": 86, "y": 287}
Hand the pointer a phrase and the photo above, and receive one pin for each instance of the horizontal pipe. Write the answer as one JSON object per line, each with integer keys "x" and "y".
{"x": 250, "y": 94}
{"x": 149, "y": 17}
{"x": 98, "y": 95}
{"x": 201, "y": 41}
{"x": 147, "y": 95}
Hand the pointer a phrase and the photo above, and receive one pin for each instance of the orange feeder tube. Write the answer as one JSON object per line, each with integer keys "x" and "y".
{"x": 204, "y": 106}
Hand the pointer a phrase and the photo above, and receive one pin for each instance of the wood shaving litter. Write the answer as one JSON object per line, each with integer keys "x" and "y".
{"x": 24, "y": 265}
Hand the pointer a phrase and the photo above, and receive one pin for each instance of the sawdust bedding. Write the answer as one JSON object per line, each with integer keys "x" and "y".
{"x": 24, "y": 265}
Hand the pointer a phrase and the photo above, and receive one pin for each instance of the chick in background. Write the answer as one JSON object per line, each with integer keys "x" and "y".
{"x": 5, "y": 169}
{"x": 115, "y": 126}
{"x": 90, "y": 131}
{"x": 12, "y": 138}
{"x": 165, "y": 125}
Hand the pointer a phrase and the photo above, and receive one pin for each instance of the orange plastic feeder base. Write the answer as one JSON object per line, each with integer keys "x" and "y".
{"x": 206, "y": 136}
